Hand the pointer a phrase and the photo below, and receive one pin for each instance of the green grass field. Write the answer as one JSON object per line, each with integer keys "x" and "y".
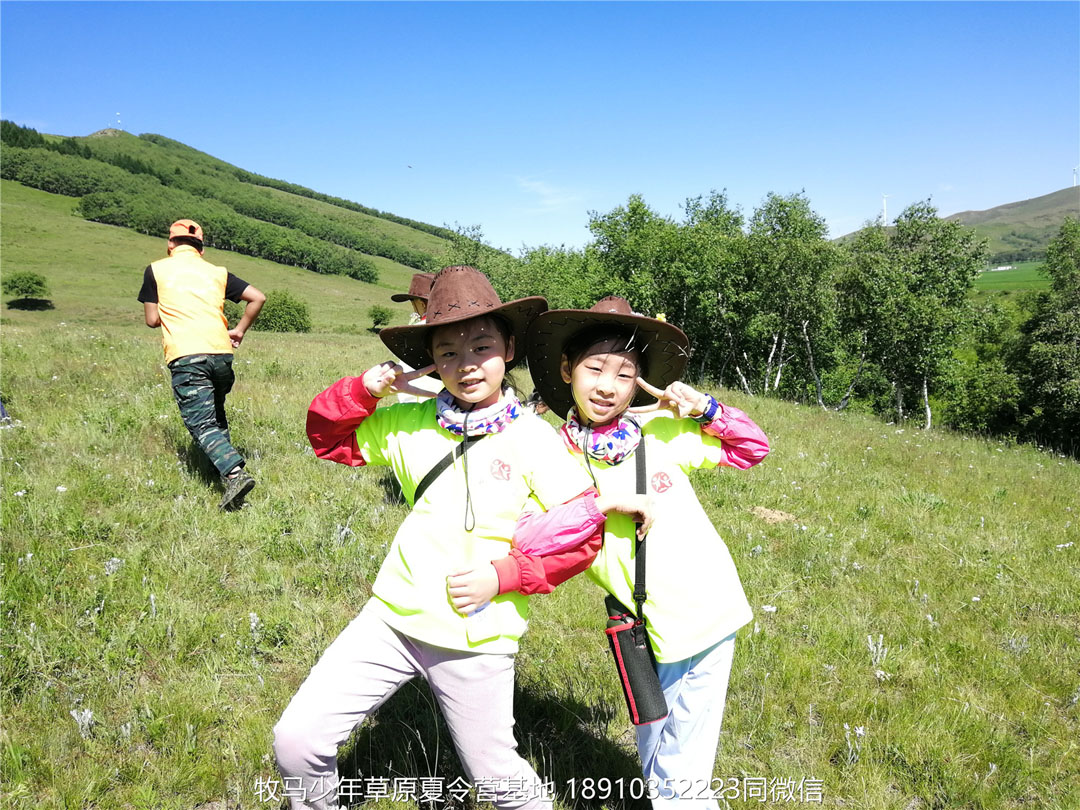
{"x": 1023, "y": 276}
{"x": 148, "y": 643}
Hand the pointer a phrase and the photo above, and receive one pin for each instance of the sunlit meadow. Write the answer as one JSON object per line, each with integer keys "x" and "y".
{"x": 916, "y": 640}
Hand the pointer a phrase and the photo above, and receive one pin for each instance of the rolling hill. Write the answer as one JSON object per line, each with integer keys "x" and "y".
{"x": 145, "y": 182}
{"x": 1020, "y": 231}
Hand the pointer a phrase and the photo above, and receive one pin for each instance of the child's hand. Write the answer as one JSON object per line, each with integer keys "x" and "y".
{"x": 678, "y": 396}
{"x": 389, "y": 378}
{"x": 638, "y": 507}
{"x": 472, "y": 587}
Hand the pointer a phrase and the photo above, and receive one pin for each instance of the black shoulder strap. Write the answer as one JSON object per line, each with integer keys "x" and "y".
{"x": 639, "y": 569}
{"x": 446, "y": 461}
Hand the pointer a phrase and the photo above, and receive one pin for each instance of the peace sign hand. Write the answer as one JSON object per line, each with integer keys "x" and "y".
{"x": 390, "y": 378}
{"x": 678, "y": 397}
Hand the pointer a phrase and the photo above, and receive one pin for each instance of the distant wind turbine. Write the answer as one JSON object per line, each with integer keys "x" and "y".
{"x": 885, "y": 209}
{"x": 1074, "y": 175}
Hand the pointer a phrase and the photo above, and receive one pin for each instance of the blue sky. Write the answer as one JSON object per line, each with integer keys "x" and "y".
{"x": 524, "y": 117}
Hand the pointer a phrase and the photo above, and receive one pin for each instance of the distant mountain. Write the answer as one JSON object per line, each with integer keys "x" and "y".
{"x": 1020, "y": 231}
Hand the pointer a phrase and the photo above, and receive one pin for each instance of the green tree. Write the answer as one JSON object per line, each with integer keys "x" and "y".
{"x": 1049, "y": 358}
{"x": 938, "y": 261}
{"x": 283, "y": 312}
{"x": 24, "y": 284}
{"x": 380, "y": 316}
{"x": 788, "y": 306}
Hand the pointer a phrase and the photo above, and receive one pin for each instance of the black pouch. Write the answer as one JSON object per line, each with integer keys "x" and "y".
{"x": 635, "y": 664}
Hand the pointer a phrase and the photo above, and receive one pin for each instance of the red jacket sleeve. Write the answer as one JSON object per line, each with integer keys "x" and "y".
{"x": 333, "y": 417}
{"x": 531, "y": 574}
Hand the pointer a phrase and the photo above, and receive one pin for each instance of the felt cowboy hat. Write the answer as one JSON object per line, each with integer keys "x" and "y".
{"x": 457, "y": 294}
{"x": 419, "y": 288}
{"x": 664, "y": 349}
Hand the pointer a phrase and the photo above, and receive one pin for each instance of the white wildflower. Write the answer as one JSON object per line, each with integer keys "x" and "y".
{"x": 1060, "y": 545}
{"x": 757, "y": 550}
{"x": 878, "y": 650}
{"x": 112, "y": 565}
{"x": 61, "y": 488}
{"x": 976, "y": 599}
{"x": 84, "y": 718}
{"x": 22, "y": 492}
{"x": 769, "y": 608}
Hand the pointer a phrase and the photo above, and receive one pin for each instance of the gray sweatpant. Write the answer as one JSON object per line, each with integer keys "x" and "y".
{"x": 363, "y": 667}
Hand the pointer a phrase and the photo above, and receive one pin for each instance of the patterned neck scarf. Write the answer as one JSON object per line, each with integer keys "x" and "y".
{"x": 492, "y": 419}
{"x": 610, "y": 443}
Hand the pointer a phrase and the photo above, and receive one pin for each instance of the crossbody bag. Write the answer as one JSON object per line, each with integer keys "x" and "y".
{"x": 628, "y": 636}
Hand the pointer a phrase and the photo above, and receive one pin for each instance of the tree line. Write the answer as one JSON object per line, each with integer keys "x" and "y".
{"x": 884, "y": 323}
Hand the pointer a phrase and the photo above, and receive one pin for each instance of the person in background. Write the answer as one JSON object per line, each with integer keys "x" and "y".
{"x": 419, "y": 290}
{"x": 184, "y": 295}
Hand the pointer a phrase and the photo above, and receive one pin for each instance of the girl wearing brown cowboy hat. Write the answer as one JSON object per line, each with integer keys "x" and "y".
{"x": 468, "y": 461}
{"x": 592, "y": 367}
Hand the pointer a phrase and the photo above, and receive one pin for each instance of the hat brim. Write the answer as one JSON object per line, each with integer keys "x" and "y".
{"x": 663, "y": 346}
{"x": 399, "y": 297}
{"x": 409, "y": 343}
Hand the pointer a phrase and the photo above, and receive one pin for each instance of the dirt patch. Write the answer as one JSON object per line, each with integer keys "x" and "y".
{"x": 771, "y": 516}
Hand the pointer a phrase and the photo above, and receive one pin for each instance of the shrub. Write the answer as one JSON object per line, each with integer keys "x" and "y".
{"x": 233, "y": 312}
{"x": 24, "y": 284}
{"x": 380, "y": 316}
{"x": 283, "y": 312}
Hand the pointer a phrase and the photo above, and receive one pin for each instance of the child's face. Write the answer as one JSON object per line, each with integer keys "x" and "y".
{"x": 471, "y": 359}
{"x": 603, "y": 381}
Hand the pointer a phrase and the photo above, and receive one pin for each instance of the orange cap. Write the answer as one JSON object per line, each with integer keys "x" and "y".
{"x": 186, "y": 227}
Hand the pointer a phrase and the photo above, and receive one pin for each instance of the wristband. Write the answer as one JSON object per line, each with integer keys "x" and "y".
{"x": 709, "y": 414}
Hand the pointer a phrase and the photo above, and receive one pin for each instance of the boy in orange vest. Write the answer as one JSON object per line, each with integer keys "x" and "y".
{"x": 184, "y": 295}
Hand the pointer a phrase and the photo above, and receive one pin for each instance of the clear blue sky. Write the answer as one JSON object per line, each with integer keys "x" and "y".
{"x": 523, "y": 117}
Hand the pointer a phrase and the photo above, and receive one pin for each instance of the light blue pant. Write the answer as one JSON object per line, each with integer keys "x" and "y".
{"x": 679, "y": 752}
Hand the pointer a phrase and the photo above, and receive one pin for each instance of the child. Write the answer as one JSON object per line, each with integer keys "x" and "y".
{"x": 588, "y": 366}
{"x": 419, "y": 289}
{"x": 503, "y": 457}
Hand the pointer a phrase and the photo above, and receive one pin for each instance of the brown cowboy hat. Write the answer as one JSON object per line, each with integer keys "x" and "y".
{"x": 419, "y": 288}
{"x": 664, "y": 348}
{"x": 457, "y": 294}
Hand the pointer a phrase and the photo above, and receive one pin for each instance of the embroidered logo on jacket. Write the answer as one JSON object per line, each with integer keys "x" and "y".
{"x": 500, "y": 470}
{"x": 661, "y": 482}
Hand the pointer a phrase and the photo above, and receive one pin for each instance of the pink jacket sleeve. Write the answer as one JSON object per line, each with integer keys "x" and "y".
{"x": 559, "y": 528}
{"x": 744, "y": 443}
{"x": 552, "y": 546}
{"x": 531, "y": 574}
{"x": 333, "y": 417}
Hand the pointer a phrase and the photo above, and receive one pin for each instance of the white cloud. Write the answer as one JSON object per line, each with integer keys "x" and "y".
{"x": 546, "y": 197}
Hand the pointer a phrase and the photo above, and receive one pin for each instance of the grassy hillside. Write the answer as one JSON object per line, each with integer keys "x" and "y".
{"x": 1017, "y": 234}
{"x": 146, "y": 182}
{"x": 1021, "y": 230}
{"x": 95, "y": 270}
{"x": 148, "y": 643}
{"x": 1021, "y": 276}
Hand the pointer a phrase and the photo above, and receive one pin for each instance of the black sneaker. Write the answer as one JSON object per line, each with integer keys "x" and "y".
{"x": 235, "y": 489}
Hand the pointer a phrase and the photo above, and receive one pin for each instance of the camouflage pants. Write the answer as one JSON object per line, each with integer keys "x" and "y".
{"x": 200, "y": 383}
